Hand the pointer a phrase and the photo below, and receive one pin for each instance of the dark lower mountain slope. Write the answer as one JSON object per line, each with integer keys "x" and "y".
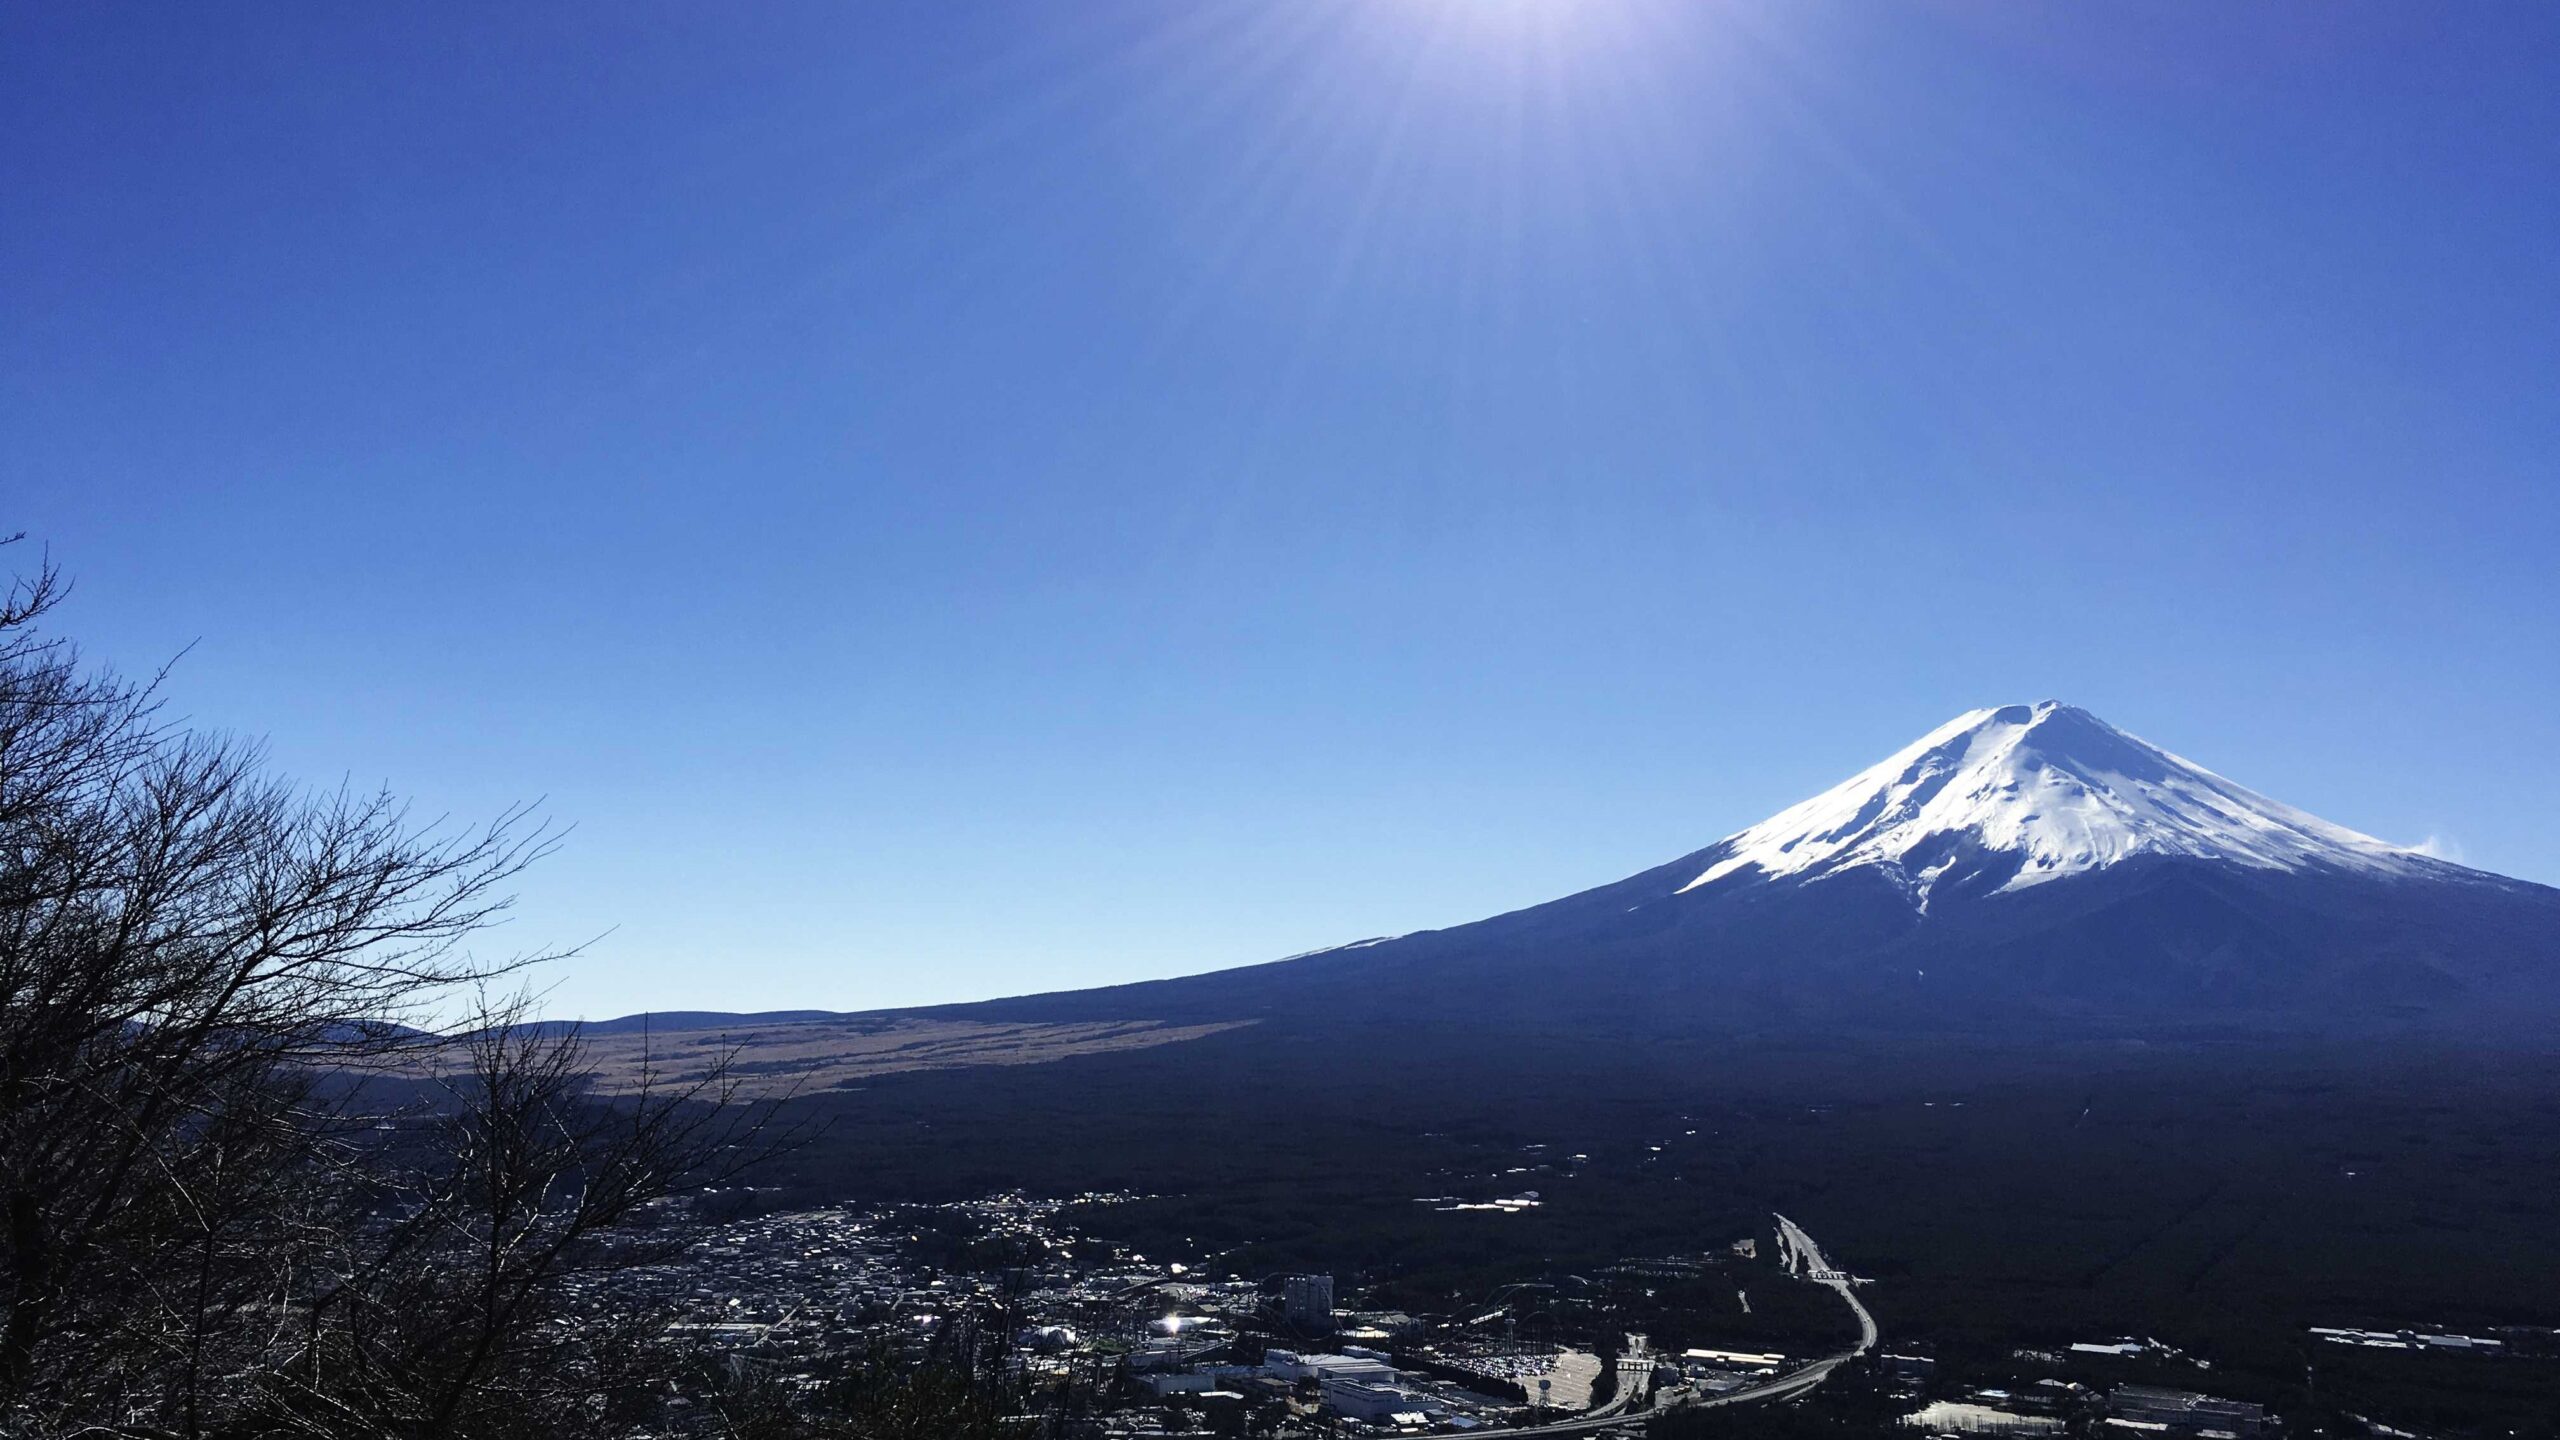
{"x": 2162, "y": 942}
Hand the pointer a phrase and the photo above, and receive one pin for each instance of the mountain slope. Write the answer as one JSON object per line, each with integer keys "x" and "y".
{"x": 2019, "y": 863}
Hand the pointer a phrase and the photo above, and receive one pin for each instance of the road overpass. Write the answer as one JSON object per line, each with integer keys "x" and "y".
{"x": 1803, "y": 1258}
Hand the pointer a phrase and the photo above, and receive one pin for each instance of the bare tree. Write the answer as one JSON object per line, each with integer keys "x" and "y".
{"x": 453, "y": 1306}
{"x": 207, "y": 1225}
{"x": 954, "y": 1389}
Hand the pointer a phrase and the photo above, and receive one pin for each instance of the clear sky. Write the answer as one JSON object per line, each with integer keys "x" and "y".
{"x": 957, "y": 499}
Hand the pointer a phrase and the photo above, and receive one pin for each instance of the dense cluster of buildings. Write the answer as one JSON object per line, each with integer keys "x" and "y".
{"x": 1151, "y": 1348}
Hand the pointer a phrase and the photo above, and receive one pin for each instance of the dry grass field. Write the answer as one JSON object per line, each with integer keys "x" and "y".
{"x": 809, "y": 1055}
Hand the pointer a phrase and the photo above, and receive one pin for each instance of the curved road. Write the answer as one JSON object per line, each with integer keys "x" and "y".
{"x": 1803, "y": 1258}
{"x": 1800, "y": 1248}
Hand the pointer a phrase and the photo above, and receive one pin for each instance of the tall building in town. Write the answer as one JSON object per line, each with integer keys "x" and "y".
{"x": 1306, "y": 1302}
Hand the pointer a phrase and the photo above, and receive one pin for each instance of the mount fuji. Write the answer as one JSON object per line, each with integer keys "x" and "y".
{"x": 2018, "y": 864}
{"x": 2053, "y": 1023}
{"x": 1995, "y": 801}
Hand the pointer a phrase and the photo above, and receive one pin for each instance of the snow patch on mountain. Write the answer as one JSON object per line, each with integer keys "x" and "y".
{"x": 2050, "y": 789}
{"x": 1346, "y": 945}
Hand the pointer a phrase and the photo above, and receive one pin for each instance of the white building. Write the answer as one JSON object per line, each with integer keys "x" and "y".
{"x": 1742, "y": 1360}
{"x": 1290, "y": 1365}
{"x": 1365, "y": 1400}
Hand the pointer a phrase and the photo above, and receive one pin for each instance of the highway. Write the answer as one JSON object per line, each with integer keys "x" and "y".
{"x": 1800, "y": 1249}
{"x": 1803, "y": 1258}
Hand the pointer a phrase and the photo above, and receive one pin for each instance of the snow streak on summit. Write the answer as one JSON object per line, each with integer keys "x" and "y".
{"x": 1999, "y": 800}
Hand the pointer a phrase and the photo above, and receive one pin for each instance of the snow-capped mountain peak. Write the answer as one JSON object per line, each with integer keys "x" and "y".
{"x": 2020, "y": 795}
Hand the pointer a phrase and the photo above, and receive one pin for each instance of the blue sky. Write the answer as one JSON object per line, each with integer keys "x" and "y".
{"x": 951, "y": 500}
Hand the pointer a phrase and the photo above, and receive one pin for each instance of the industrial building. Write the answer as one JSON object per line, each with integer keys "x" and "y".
{"x": 2184, "y": 1410}
{"x": 1372, "y": 1402}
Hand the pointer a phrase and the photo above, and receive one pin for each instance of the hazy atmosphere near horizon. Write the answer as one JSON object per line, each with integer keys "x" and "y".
{"x": 951, "y": 500}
